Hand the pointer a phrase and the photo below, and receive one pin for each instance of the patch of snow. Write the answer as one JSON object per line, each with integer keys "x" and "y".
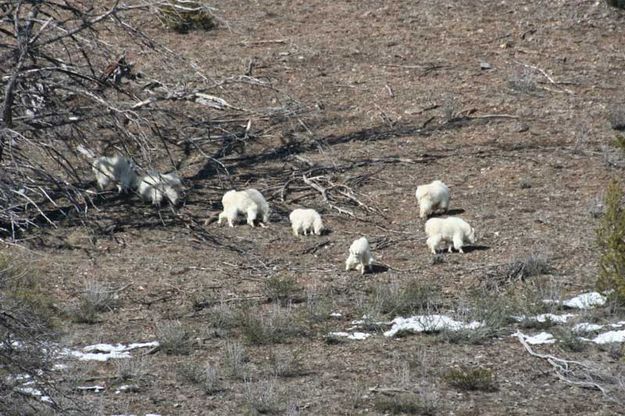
{"x": 104, "y": 352}
{"x": 586, "y": 301}
{"x": 428, "y": 323}
{"x": 367, "y": 320}
{"x": 359, "y": 336}
{"x": 31, "y": 391}
{"x": 336, "y": 314}
{"x": 542, "y": 338}
{"x": 558, "y": 319}
{"x": 610, "y": 336}
{"x": 587, "y": 327}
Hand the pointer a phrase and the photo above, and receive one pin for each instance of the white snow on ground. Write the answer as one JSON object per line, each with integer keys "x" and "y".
{"x": 558, "y": 319}
{"x": 366, "y": 320}
{"x": 587, "y": 327}
{"x": 428, "y": 323}
{"x": 542, "y": 338}
{"x": 147, "y": 414}
{"x": 583, "y": 301}
{"x": 31, "y": 391}
{"x": 586, "y": 301}
{"x": 104, "y": 352}
{"x": 610, "y": 336}
{"x": 359, "y": 336}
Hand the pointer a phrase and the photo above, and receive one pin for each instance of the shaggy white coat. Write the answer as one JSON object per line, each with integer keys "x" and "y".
{"x": 432, "y": 197}
{"x": 451, "y": 230}
{"x": 116, "y": 170}
{"x": 156, "y": 186}
{"x": 306, "y": 221}
{"x": 249, "y": 202}
{"x": 359, "y": 256}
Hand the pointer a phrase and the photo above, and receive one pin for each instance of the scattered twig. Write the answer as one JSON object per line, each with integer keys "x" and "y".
{"x": 562, "y": 367}
{"x": 545, "y": 75}
{"x": 264, "y": 42}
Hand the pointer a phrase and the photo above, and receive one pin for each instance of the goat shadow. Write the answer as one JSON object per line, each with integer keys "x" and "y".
{"x": 377, "y": 268}
{"x": 469, "y": 249}
{"x": 455, "y": 211}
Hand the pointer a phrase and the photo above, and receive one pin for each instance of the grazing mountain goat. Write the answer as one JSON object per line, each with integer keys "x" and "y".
{"x": 155, "y": 186}
{"x": 359, "y": 256}
{"x": 431, "y": 197}
{"x": 307, "y": 221}
{"x": 249, "y": 202}
{"x": 449, "y": 230}
{"x": 115, "y": 169}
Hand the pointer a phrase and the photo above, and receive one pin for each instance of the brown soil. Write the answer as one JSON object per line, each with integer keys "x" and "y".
{"x": 397, "y": 85}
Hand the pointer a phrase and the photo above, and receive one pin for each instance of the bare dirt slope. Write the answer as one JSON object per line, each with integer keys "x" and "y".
{"x": 507, "y": 102}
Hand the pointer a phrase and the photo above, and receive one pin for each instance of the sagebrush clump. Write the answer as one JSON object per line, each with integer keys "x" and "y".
{"x": 185, "y": 17}
{"x": 611, "y": 242}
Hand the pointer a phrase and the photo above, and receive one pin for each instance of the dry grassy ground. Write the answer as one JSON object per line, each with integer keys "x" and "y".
{"x": 399, "y": 98}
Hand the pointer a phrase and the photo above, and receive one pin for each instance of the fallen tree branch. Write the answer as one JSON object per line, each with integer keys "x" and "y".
{"x": 562, "y": 368}
{"x": 324, "y": 193}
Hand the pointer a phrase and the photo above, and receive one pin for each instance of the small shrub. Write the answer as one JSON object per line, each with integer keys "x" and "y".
{"x": 493, "y": 312}
{"x": 450, "y": 107}
{"x": 333, "y": 339}
{"x": 26, "y": 318}
{"x": 617, "y": 118}
{"x": 523, "y": 81}
{"x": 283, "y": 290}
{"x": 174, "y": 338}
{"x": 536, "y": 324}
{"x": 611, "y": 242}
{"x": 412, "y": 297}
{"x": 438, "y": 258}
{"x": 263, "y": 398}
{"x": 185, "y": 16}
{"x": 130, "y": 369}
{"x": 619, "y": 4}
{"x": 95, "y": 299}
{"x": 534, "y": 264}
{"x": 405, "y": 403}
{"x": 619, "y": 140}
{"x": 235, "y": 359}
{"x": 525, "y": 183}
{"x": 569, "y": 340}
{"x": 22, "y": 289}
{"x": 471, "y": 379}
{"x": 204, "y": 377}
{"x": 222, "y": 316}
{"x": 596, "y": 207}
{"x": 275, "y": 327}
{"x": 286, "y": 364}
{"x": 317, "y": 307}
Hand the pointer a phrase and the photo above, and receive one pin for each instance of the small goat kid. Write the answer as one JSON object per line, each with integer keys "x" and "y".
{"x": 114, "y": 169}
{"x": 359, "y": 256}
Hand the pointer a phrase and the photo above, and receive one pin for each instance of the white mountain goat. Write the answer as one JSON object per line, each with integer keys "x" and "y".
{"x": 249, "y": 202}
{"x": 306, "y": 221}
{"x": 359, "y": 256}
{"x": 451, "y": 230}
{"x": 432, "y": 197}
{"x": 155, "y": 186}
{"x": 114, "y": 169}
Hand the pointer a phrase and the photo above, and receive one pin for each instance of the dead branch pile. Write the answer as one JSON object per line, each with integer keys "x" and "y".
{"x": 71, "y": 90}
